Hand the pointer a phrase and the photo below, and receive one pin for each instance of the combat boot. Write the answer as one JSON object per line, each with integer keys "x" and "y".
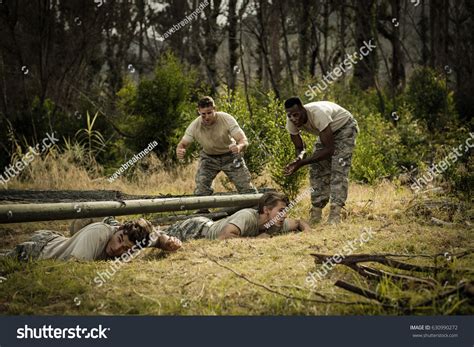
{"x": 334, "y": 214}
{"x": 316, "y": 214}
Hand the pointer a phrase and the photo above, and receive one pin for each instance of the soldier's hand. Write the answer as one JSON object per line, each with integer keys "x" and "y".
{"x": 169, "y": 243}
{"x": 180, "y": 152}
{"x": 235, "y": 149}
{"x": 292, "y": 167}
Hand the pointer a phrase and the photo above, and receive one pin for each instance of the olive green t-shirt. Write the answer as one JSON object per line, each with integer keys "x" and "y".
{"x": 320, "y": 115}
{"x": 87, "y": 244}
{"x": 247, "y": 222}
{"x": 215, "y": 139}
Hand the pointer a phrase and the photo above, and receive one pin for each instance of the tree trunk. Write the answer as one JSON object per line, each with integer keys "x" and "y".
{"x": 365, "y": 69}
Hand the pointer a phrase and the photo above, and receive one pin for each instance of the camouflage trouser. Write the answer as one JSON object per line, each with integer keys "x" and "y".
{"x": 31, "y": 249}
{"x": 330, "y": 177}
{"x": 189, "y": 229}
{"x": 232, "y": 165}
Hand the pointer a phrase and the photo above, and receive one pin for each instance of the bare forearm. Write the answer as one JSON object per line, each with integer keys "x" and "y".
{"x": 299, "y": 146}
{"x": 300, "y": 152}
{"x": 303, "y": 226}
{"x": 182, "y": 145}
{"x": 225, "y": 236}
{"x": 263, "y": 236}
{"x": 322, "y": 154}
{"x": 243, "y": 144}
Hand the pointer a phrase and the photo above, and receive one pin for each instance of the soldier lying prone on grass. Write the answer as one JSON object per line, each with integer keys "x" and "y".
{"x": 268, "y": 220}
{"x": 97, "y": 241}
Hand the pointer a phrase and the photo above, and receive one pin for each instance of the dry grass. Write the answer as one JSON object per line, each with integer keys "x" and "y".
{"x": 203, "y": 278}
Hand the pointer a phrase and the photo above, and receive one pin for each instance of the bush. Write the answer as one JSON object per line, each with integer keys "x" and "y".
{"x": 430, "y": 99}
{"x": 158, "y": 109}
{"x": 269, "y": 143}
{"x": 377, "y": 149}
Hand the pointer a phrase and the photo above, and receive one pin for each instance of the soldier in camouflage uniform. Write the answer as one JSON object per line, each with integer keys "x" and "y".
{"x": 269, "y": 220}
{"x": 101, "y": 240}
{"x": 223, "y": 143}
{"x": 330, "y": 162}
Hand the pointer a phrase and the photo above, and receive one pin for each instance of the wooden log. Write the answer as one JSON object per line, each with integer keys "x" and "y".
{"x": 16, "y": 213}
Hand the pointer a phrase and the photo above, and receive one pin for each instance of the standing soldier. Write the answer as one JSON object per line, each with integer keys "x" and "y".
{"x": 332, "y": 155}
{"x": 223, "y": 143}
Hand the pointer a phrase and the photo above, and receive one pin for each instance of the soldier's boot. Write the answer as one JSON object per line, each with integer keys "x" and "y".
{"x": 315, "y": 215}
{"x": 334, "y": 214}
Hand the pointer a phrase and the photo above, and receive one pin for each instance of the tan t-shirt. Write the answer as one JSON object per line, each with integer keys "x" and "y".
{"x": 247, "y": 222}
{"x": 87, "y": 244}
{"x": 320, "y": 115}
{"x": 216, "y": 138}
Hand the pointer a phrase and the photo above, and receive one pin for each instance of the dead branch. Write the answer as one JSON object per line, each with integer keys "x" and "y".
{"x": 464, "y": 289}
{"x": 291, "y": 297}
{"x": 365, "y": 293}
{"x": 363, "y": 258}
{"x": 377, "y": 274}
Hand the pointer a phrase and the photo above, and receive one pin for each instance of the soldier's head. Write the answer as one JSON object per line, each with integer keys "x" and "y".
{"x": 128, "y": 235}
{"x": 295, "y": 111}
{"x": 273, "y": 206}
{"x": 207, "y": 110}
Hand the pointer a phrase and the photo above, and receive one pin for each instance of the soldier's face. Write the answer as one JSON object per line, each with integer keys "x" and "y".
{"x": 118, "y": 244}
{"x": 208, "y": 115}
{"x": 278, "y": 213}
{"x": 296, "y": 115}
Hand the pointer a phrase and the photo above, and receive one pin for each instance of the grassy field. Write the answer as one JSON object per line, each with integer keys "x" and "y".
{"x": 248, "y": 276}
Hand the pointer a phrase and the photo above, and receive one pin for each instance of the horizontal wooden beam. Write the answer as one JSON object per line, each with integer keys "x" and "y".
{"x": 18, "y": 213}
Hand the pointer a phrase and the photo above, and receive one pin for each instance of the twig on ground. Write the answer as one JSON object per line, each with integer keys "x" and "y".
{"x": 362, "y": 258}
{"x": 366, "y": 293}
{"x": 291, "y": 297}
{"x": 373, "y": 273}
{"x": 464, "y": 289}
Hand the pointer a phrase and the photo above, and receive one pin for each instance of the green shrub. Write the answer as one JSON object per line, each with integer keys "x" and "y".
{"x": 269, "y": 143}
{"x": 378, "y": 144}
{"x": 430, "y": 99}
{"x": 158, "y": 109}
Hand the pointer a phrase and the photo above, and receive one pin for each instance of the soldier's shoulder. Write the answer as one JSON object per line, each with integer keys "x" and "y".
{"x": 195, "y": 122}
{"x": 224, "y": 115}
{"x": 246, "y": 212}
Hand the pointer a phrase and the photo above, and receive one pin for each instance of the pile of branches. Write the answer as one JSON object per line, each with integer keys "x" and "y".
{"x": 464, "y": 289}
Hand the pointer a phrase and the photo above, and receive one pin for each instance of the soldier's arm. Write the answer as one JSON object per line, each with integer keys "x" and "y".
{"x": 230, "y": 231}
{"x": 241, "y": 140}
{"x": 327, "y": 139}
{"x": 299, "y": 146}
{"x": 297, "y": 225}
{"x": 181, "y": 148}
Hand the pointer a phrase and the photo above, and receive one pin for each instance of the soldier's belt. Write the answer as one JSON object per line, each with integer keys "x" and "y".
{"x": 219, "y": 155}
